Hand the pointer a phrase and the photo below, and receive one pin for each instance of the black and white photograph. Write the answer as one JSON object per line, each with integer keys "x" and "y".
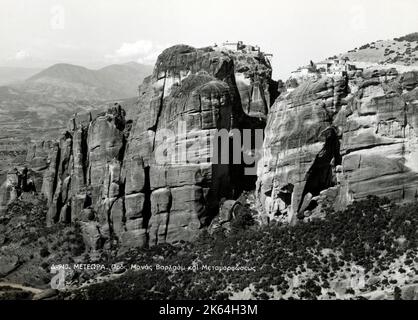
{"x": 231, "y": 151}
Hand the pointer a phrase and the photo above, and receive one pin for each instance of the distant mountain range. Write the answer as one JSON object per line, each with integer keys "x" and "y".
{"x": 72, "y": 82}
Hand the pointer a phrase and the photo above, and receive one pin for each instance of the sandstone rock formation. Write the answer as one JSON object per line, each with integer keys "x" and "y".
{"x": 376, "y": 113}
{"x": 193, "y": 93}
{"x": 155, "y": 179}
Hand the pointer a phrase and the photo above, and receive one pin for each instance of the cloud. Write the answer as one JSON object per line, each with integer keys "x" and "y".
{"x": 143, "y": 51}
{"x": 135, "y": 48}
{"x": 22, "y": 55}
{"x": 132, "y": 49}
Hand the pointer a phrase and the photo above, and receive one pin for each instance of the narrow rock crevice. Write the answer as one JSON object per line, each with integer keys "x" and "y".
{"x": 367, "y": 147}
{"x": 122, "y": 150}
{"x": 84, "y": 153}
{"x": 59, "y": 206}
{"x": 320, "y": 175}
{"x": 146, "y": 212}
{"x": 56, "y": 173}
{"x": 154, "y": 127}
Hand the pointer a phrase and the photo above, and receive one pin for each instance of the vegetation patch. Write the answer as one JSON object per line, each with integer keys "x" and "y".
{"x": 346, "y": 255}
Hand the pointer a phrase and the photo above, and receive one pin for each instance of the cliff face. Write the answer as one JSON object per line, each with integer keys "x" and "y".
{"x": 192, "y": 94}
{"x": 375, "y": 116}
{"x": 154, "y": 180}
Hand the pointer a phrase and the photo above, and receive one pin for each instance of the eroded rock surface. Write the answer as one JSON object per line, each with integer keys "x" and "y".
{"x": 376, "y": 115}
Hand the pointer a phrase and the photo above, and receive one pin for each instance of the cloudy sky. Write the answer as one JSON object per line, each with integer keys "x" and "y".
{"x": 93, "y": 33}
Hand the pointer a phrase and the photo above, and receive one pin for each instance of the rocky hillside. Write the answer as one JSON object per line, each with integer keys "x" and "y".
{"x": 401, "y": 52}
{"x": 28, "y": 248}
